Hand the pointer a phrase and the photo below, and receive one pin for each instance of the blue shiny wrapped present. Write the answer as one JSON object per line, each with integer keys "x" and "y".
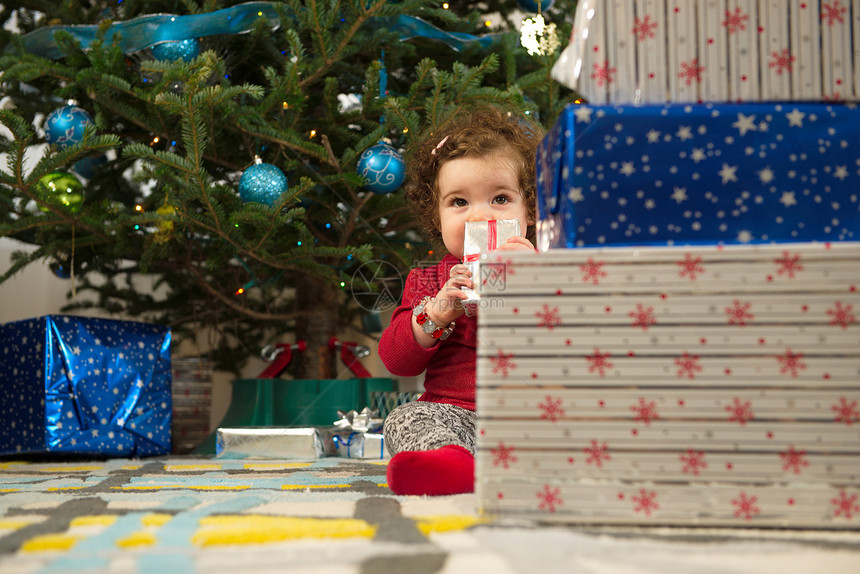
{"x": 688, "y": 174}
{"x": 77, "y": 385}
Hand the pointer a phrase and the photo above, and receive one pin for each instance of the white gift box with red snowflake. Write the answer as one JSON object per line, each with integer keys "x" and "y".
{"x": 654, "y": 51}
{"x": 666, "y": 385}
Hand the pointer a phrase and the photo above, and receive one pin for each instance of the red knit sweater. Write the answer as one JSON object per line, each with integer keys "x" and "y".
{"x": 450, "y": 364}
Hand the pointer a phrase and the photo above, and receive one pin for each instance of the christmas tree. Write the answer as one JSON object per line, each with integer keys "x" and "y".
{"x": 236, "y": 152}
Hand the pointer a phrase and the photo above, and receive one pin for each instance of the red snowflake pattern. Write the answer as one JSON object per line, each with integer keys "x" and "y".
{"x": 508, "y": 264}
{"x": 693, "y": 462}
{"x": 736, "y": 21}
{"x": 603, "y": 74}
{"x": 740, "y": 412}
{"x": 739, "y": 313}
{"x": 845, "y": 505}
{"x": 645, "y": 502}
{"x": 592, "y": 271}
{"x": 599, "y": 362}
{"x": 551, "y": 409}
{"x": 842, "y": 316}
{"x": 833, "y": 12}
{"x": 793, "y": 459}
{"x": 550, "y": 498}
{"x": 503, "y": 456}
{"x": 688, "y": 365}
{"x": 502, "y": 363}
{"x": 791, "y": 362}
{"x": 788, "y": 264}
{"x": 644, "y": 28}
{"x": 690, "y": 266}
{"x": 645, "y": 411}
{"x": 596, "y": 454}
{"x": 746, "y": 506}
{"x": 642, "y": 316}
{"x": 846, "y": 412}
{"x": 782, "y": 61}
{"x": 548, "y": 317}
{"x": 691, "y": 72}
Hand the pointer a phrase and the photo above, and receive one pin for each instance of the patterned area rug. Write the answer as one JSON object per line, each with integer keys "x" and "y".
{"x": 166, "y": 515}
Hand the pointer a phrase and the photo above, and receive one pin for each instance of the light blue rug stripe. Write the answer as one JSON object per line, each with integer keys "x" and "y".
{"x": 90, "y": 554}
{"x": 174, "y": 538}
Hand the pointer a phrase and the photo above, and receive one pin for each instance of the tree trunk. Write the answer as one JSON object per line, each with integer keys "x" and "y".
{"x": 320, "y": 301}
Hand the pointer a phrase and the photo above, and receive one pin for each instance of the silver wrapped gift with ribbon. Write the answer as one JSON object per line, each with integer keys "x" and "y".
{"x": 358, "y": 434}
{"x": 480, "y": 238}
{"x": 269, "y": 442}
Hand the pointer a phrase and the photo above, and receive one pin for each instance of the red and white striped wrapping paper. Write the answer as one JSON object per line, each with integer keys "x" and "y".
{"x": 654, "y": 51}
{"x": 673, "y": 386}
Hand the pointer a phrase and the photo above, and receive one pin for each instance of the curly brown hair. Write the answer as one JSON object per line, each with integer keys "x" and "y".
{"x": 476, "y": 132}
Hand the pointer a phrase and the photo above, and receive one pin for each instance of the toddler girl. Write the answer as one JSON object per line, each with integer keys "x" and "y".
{"x": 480, "y": 166}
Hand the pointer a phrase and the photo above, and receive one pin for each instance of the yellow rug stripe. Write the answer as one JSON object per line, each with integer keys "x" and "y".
{"x": 312, "y": 486}
{"x": 183, "y": 486}
{"x": 446, "y": 523}
{"x": 276, "y": 465}
{"x": 181, "y": 467}
{"x": 65, "y": 469}
{"x": 94, "y": 520}
{"x": 59, "y": 488}
{"x": 10, "y": 489}
{"x": 49, "y": 543}
{"x": 261, "y": 529}
{"x": 137, "y": 539}
{"x": 13, "y": 464}
{"x": 13, "y": 524}
{"x": 155, "y": 519}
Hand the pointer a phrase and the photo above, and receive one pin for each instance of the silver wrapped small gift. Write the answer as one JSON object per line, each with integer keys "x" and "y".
{"x": 268, "y": 442}
{"x": 353, "y": 444}
{"x": 480, "y": 238}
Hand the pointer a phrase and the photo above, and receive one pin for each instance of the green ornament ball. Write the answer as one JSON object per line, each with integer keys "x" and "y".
{"x": 63, "y": 189}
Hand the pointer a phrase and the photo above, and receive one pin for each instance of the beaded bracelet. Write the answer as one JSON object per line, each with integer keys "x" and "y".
{"x": 427, "y": 324}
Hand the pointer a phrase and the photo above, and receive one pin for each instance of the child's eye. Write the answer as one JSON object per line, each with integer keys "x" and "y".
{"x": 501, "y": 199}
{"x": 460, "y": 202}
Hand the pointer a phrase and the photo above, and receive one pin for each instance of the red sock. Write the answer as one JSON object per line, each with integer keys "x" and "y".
{"x": 437, "y": 472}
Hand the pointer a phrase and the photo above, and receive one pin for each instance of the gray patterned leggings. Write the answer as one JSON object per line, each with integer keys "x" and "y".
{"x": 427, "y": 426}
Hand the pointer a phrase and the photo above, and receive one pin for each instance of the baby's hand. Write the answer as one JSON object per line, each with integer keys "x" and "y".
{"x": 448, "y": 303}
{"x": 517, "y": 244}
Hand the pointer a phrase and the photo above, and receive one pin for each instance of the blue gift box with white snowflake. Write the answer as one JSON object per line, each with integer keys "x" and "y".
{"x": 700, "y": 174}
{"x": 76, "y": 385}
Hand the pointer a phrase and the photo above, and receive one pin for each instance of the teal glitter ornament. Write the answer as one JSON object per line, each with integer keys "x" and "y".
{"x": 262, "y": 183}
{"x": 185, "y": 50}
{"x": 382, "y": 168}
{"x": 535, "y": 5}
{"x": 62, "y": 188}
{"x": 65, "y": 126}
{"x": 87, "y": 166}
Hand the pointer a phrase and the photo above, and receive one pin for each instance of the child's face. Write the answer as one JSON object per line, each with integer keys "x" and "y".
{"x": 478, "y": 189}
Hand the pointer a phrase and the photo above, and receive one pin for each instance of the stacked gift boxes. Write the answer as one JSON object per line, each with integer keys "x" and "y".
{"x": 686, "y": 349}
{"x": 703, "y": 385}
{"x": 713, "y": 50}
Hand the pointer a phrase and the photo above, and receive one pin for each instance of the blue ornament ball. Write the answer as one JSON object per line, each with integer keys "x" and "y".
{"x": 186, "y": 50}
{"x": 532, "y": 5}
{"x": 60, "y": 266}
{"x": 382, "y": 168}
{"x": 65, "y": 126}
{"x": 262, "y": 183}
